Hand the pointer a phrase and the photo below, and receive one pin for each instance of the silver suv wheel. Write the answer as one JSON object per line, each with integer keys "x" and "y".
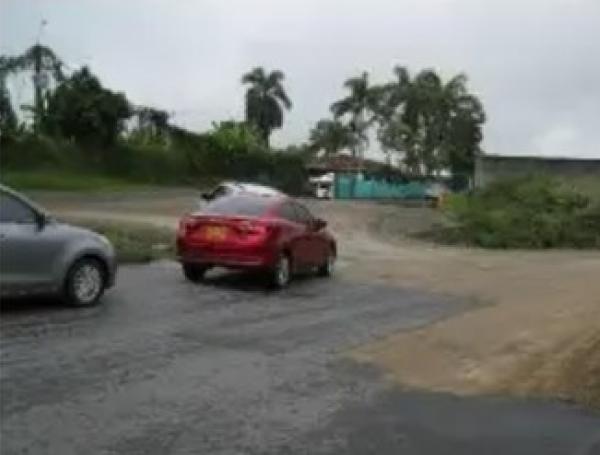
{"x": 85, "y": 283}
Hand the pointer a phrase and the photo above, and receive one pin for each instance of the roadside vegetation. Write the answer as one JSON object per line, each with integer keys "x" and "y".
{"x": 31, "y": 161}
{"x": 64, "y": 180}
{"x": 526, "y": 212}
{"x": 133, "y": 242}
{"x": 78, "y": 134}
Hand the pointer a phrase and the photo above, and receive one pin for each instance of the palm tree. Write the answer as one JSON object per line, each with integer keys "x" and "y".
{"x": 393, "y": 95}
{"x": 361, "y": 100}
{"x": 464, "y": 121}
{"x": 265, "y": 100}
{"x": 435, "y": 125}
{"x": 452, "y": 119}
{"x": 331, "y": 136}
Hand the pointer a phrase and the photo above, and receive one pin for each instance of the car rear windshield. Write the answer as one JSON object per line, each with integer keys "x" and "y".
{"x": 239, "y": 205}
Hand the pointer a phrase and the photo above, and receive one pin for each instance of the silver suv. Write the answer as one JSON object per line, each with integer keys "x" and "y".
{"x": 230, "y": 188}
{"x": 39, "y": 255}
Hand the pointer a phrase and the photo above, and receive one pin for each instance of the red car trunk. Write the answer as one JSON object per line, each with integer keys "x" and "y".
{"x": 228, "y": 239}
{"x": 223, "y": 230}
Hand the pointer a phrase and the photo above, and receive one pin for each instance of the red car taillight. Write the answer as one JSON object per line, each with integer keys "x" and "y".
{"x": 225, "y": 230}
{"x": 186, "y": 224}
{"x": 254, "y": 232}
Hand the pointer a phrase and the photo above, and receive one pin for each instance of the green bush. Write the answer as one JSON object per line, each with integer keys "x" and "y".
{"x": 28, "y": 151}
{"x": 145, "y": 163}
{"x": 230, "y": 151}
{"x": 530, "y": 212}
{"x": 134, "y": 242}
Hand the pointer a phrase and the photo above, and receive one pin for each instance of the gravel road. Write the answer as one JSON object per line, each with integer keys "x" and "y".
{"x": 168, "y": 367}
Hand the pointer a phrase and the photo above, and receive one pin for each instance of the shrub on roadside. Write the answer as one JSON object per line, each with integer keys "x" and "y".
{"x": 134, "y": 242}
{"x": 232, "y": 151}
{"x": 28, "y": 151}
{"x": 530, "y": 212}
{"x": 229, "y": 151}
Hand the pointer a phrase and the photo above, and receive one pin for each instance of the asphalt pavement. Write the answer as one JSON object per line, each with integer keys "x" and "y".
{"x": 164, "y": 366}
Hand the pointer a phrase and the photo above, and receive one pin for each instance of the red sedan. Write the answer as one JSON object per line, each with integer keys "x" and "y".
{"x": 272, "y": 233}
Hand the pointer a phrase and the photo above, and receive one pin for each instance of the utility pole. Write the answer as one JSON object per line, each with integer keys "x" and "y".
{"x": 39, "y": 81}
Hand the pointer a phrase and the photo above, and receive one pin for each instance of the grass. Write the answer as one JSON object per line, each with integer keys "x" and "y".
{"x": 64, "y": 181}
{"x": 134, "y": 242}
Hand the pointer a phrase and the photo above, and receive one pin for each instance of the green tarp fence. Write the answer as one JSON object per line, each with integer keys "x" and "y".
{"x": 353, "y": 187}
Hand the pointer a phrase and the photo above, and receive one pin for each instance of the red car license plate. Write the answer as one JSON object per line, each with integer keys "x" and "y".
{"x": 214, "y": 233}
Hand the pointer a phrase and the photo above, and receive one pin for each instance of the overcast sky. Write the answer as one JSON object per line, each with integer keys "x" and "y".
{"x": 534, "y": 63}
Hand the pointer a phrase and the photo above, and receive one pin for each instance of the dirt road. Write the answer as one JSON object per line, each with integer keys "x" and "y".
{"x": 225, "y": 368}
{"x": 228, "y": 368}
{"x": 530, "y": 305}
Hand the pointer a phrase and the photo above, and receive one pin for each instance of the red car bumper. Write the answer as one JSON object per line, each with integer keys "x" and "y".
{"x": 212, "y": 255}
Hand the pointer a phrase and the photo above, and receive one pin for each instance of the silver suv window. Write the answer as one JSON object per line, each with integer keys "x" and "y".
{"x": 13, "y": 210}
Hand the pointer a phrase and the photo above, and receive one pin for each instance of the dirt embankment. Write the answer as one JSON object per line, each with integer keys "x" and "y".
{"x": 534, "y": 333}
{"x": 535, "y": 330}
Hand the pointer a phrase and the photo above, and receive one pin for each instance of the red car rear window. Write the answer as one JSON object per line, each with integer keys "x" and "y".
{"x": 239, "y": 205}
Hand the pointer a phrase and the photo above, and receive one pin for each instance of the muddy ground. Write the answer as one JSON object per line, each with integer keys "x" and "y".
{"x": 167, "y": 366}
{"x": 531, "y": 305}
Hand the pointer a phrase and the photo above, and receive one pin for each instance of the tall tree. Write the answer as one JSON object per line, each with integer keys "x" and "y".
{"x": 359, "y": 105}
{"x": 151, "y": 125}
{"x": 331, "y": 136}
{"x": 149, "y": 118}
{"x": 80, "y": 108}
{"x": 391, "y": 96}
{"x": 266, "y": 100}
{"x": 45, "y": 65}
{"x": 8, "y": 119}
{"x": 435, "y": 125}
{"x": 464, "y": 136}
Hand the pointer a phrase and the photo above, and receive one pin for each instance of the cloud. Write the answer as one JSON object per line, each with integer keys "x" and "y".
{"x": 533, "y": 63}
{"x": 561, "y": 140}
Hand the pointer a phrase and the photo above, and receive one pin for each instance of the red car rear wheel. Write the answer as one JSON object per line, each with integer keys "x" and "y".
{"x": 194, "y": 272}
{"x": 327, "y": 268}
{"x": 281, "y": 274}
